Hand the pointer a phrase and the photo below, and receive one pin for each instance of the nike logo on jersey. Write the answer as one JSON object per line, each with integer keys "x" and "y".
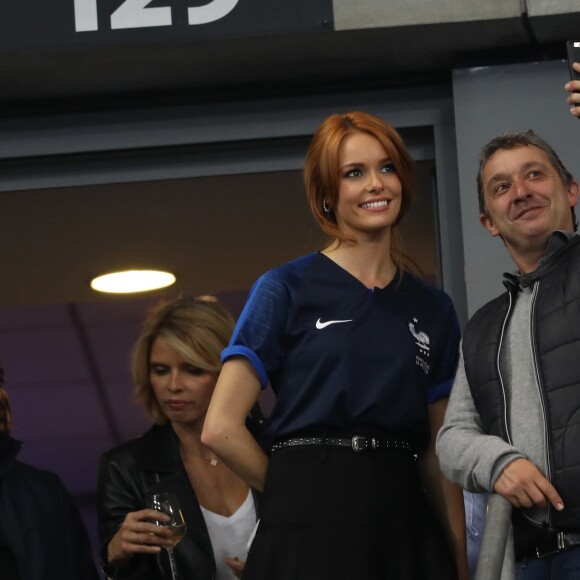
{"x": 320, "y": 325}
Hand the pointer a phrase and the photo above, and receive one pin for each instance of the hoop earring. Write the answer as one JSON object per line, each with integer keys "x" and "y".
{"x": 325, "y": 206}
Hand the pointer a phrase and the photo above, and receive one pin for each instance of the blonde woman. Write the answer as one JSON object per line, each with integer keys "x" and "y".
{"x": 176, "y": 362}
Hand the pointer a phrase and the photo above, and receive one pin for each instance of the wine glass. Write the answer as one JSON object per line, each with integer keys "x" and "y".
{"x": 167, "y": 503}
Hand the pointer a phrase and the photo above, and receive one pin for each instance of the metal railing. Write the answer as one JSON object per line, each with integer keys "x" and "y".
{"x": 496, "y": 555}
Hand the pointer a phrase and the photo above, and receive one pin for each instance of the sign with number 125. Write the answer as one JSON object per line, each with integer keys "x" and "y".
{"x": 137, "y": 14}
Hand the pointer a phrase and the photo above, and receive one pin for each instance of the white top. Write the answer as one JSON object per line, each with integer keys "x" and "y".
{"x": 229, "y": 535}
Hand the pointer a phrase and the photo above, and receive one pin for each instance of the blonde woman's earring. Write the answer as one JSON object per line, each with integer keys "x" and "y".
{"x": 325, "y": 206}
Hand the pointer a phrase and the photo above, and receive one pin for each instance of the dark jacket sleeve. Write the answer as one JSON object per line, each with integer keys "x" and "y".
{"x": 79, "y": 556}
{"x": 120, "y": 492}
{"x": 43, "y": 526}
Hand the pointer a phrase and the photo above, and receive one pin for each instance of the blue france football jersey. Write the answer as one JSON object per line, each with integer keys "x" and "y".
{"x": 343, "y": 357}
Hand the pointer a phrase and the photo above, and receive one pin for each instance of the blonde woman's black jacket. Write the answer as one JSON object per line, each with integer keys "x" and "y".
{"x": 40, "y": 523}
{"x": 127, "y": 474}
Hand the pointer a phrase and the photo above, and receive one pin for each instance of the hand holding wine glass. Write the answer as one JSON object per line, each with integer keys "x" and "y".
{"x": 167, "y": 504}
{"x": 137, "y": 535}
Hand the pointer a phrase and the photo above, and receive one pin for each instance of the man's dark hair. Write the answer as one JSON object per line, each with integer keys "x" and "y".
{"x": 517, "y": 139}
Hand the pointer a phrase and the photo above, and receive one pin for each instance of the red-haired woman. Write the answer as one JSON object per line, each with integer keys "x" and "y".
{"x": 361, "y": 355}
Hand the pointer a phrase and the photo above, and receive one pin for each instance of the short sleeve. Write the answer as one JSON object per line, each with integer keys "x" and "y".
{"x": 448, "y": 355}
{"x": 259, "y": 333}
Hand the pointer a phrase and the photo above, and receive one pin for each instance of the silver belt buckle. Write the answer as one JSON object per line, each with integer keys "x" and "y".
{"x": 561, "y": 542}
{"x": 359, "y": 443}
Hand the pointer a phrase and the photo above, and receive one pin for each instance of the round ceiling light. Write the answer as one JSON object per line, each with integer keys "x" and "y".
{"x": 132, "y": 281}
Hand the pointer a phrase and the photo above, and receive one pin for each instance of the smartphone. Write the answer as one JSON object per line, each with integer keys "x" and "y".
{"x": 573, "y": 50}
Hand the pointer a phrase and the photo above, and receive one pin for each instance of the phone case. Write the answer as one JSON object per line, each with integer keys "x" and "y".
{"x": 573, "y": 50}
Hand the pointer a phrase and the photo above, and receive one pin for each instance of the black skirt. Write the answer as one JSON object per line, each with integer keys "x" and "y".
{"x": 329, "y": 513}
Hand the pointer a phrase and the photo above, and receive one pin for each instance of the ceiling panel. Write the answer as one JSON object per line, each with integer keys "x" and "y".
{"x": 45, "y": 356}
{"x": 74, "y": 459}
{"x": 57, "y": 410}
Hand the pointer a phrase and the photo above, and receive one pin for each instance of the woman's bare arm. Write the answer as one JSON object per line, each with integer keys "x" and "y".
{"x": 224, "y": 430}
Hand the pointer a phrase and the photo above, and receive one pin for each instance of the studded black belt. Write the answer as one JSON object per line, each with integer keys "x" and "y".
{"x": 357, "y": 443}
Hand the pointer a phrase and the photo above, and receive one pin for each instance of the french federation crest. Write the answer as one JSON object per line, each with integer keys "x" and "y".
{"x": 423, "y": 343}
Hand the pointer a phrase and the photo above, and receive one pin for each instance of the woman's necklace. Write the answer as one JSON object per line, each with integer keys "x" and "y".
{"x": 213, "y": 461}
